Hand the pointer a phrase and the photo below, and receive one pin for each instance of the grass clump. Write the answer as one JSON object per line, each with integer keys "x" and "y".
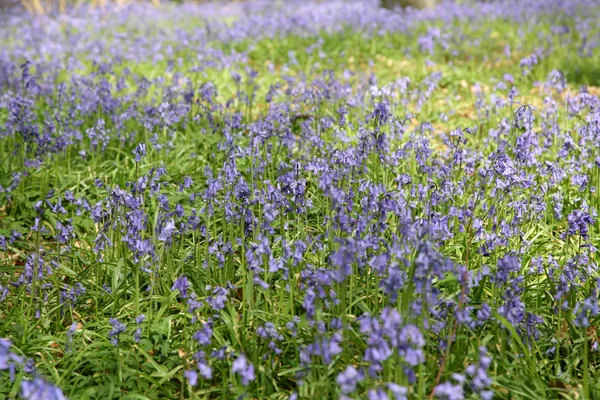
{"x": 336, "y": 201}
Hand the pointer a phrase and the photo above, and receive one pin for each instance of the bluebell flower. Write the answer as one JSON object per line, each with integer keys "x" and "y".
{"x": 182, "y": 284}
{"x": 480, "y": 381}
{"x": 167, "y": 231}
{"x": 139, "y": 152}
{"x": 117, "y": 329}
{"x": 137, "y": 335}
{"x": 484, "y": 313}
{"x": 348, "y": 379}
{"x": 218, "y": 298}
{"x": 448, "y": 391}
{"x": 219, "y": 354}
{"x": 191, "y": 376}
{"x": 506, "y": 265}
{"x": 204, "y": 335}
{"x": 3, "y": 293}
{"x": 377, "y": 394}
{"x": 8, "y": 359}
{"x": 39, "y": 389}
{"x": 205, "y": 370}
{"x": 244, "y": 369}
{"x": 325, "y": 347}
{"x": 399, "y": 392}
{"x": 579, "y": 222}
{"x": 70, "y": 332}
{"x": 586, "y": 310}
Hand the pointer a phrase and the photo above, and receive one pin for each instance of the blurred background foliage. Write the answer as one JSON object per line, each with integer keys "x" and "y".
{"x": 53, "y": 6}
{"x": 60, "y": 6}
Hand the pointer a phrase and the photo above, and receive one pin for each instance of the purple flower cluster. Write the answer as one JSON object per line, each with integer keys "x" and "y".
{"x": 327, "y": 225}
{"x": 35, "y": 388}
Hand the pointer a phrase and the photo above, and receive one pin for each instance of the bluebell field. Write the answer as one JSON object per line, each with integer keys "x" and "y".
{"x": 300, "y": 200}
